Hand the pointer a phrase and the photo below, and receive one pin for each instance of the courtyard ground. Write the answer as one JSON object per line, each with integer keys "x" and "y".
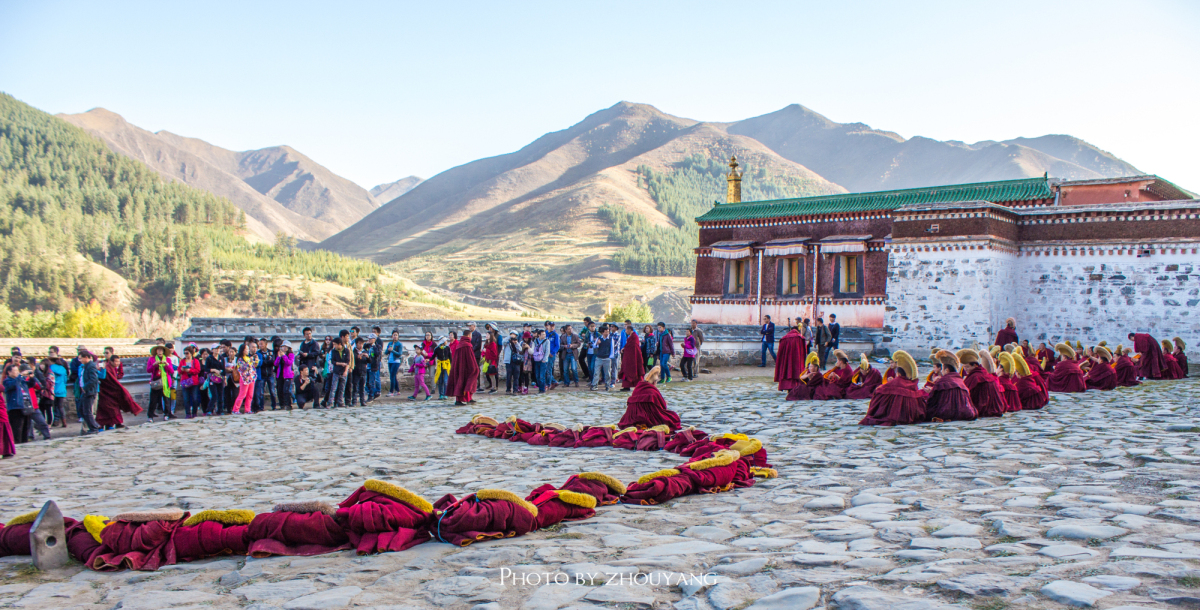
{"x": 1094, "y": 500}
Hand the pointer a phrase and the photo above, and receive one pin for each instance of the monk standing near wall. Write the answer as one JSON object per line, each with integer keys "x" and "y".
{"x": 1008, "y": 334}
{"x": 789, "y": 363}
{"x": 1151, "y": 365}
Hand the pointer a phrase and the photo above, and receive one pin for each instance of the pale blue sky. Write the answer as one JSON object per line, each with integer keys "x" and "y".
{"x": 378, "y": 91}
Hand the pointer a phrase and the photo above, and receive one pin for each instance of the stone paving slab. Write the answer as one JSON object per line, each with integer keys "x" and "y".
{"x": 1093, "y": 501}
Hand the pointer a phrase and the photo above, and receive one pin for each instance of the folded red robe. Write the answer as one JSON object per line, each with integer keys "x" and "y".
{"x": 722, "y": 472}
{"x": 864, "y": 383}
{"x": 604, "y": 488}
{"x": 487, "y": 514}
{"x": 480, "y": 424}
{"x": 14, "y": 536}
{"x": 558, "y": 505}
{"x": 1067, "y": 377}
{"x": 380, "y": 517}
{"x": 658, "y": 487}
{"x": 139, "y": 541}
{"x": 299, "y": 528}
{"x": 597, "y": 436}
{"x": 836, "y": 382}
{"x": 211, "y": 533}
{"x": 895, "y": 403}
{"x": 647, "y": 408}
{"x": 83, "y": 543}
{"x": 949, "y": 400}
{"x": 1127, "y": 372}
{"x": 566, "y": 438}
{"x": 1101, "y": 377}
{"x": 985, "y": 393}
{"x": 807, "y": 388}
{"x": 683, "y": 438}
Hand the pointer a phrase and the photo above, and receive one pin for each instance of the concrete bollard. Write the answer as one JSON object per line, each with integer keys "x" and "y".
{"x": 48, "y": 538}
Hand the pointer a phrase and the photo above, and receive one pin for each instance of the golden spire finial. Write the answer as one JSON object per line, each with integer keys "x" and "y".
{"x": 734, "y": 193}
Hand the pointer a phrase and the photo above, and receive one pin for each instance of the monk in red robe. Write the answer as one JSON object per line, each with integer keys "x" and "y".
{"x": 212, "y": 533}
{"x": 865, "y": 380}
{"x": 1008, "y": 334}
{"x": 1030, "y": 391}
{"x": 982, "y": 385}
{"x": 464, "y": 372}
{"x": 139, "y": 541}
{"x": 1172, "y": 370}
{"x": 1150, "y": 361}
{"x": 789, "y": 365}
{"x": 646, "y": 407}
{"x": 1180, "y": 354}
{"x": 1008, "y": 380}
{"x": 898, "y": 401}
{"x": 810, "y": 381}
{"x": 383, "y": 517}
{"x": 1126, "y": 370}
{"x": 1067, "y": 376}
{"x": 296, "y": 529}
{"x": 632, "y": 367}
{"x": 1046, "y": 358}
{"x": 837, "y": 379}
{"x": 113, "y": 397}
{"x": 8, "y": 443}
{"x": 488, "y": 514}
{"x": 949, "y": 399}
{"x": 1101, "y": 376}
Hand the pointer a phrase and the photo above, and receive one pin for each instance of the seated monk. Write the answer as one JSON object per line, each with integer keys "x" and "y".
{"x": 297, "y": 529}
{"x": 1172, "y": 370}
{"x": 646, "y": 406}
{"x": 1101, "y": 376}
{"x": 488, "y": 514}
{"x": 949, "y": 399}
{"x": 1008, "y": 380}
{"x": 1067, "y": 376}
{"x": 1150, "y": 357}
{"x": 864, "y": 381}
{"x": 1180, "y": 353}
{"x": 982, "y": 385}
{"x": 211, "y": 533}
{"x": 139, "y": 541}
{"x": 810, "y": 381}
{"x": 1046, "y": 358}
{"x": 382, "y": 517}
{"x": 789, "y": 365}
{"x": 898, "y": 401}
{"x": 890, "y": 373}
{"x": 1126, "y": 370}
{"x": 1030, "y": 391}
{"x": 837, "y": 379}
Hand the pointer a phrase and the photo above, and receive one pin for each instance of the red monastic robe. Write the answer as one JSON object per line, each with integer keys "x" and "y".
{"x": 1006, "y": 336}
{"x": 896, "y": 403}
{"x": 1067, "y": 377}
{"x": 1127, "y": 372}
{"x": 789, "y": 365}
{"x": 114, "y": 398}
{"x": 647, "y": 408}
{"x": 836, "y": 382}
{"x": 1101, "y": 377}
{"x": 1151, "y": 363}
{"x": 863, "y": 384}
{"x": 985, "y": 393}
{"x": 464, "y": 371}
{"x": 632, "y": 367}
{"x": 949, "y": 400}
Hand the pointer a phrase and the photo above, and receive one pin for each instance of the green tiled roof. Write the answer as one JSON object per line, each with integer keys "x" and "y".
{"x": 996, "y": 192}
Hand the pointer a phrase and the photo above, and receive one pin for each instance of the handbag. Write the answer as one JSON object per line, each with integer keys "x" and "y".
{"x": 156, "y": 384}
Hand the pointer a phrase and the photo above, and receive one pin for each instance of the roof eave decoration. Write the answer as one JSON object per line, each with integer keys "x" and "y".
{"x": 785, "y": 246}
{"x": 844, "y": 243}
{"x": 732, "y": 249}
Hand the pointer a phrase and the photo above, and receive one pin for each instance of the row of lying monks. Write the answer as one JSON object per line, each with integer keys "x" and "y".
{"x": 557, "y": 435}
{"x": 382, "y": 517}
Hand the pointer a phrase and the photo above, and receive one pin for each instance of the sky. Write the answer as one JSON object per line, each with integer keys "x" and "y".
{"x": 379, "y": 91}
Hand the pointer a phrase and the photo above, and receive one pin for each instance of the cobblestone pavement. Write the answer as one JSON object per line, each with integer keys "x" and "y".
{"x": 1094, "y": 501}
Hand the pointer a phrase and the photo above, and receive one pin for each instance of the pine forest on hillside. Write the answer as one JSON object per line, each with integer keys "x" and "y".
{"x": 65, "y": 194}
{"x": 689, "y": 190}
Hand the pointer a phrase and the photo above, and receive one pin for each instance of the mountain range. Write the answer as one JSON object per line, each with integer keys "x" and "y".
{"x": 528, "y": 226}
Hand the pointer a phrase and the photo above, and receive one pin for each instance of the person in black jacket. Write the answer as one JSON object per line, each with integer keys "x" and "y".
{"x": 476, "y": 340}
{"x": 358, "y": 376}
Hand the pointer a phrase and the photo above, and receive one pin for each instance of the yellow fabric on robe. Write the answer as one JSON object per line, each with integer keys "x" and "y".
{"x": 442, "y": 365}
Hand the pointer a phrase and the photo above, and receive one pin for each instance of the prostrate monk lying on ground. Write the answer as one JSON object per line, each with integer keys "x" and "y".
{"x": 1067, "y": 376}
{"x": 899, "y": 401}
{"x": 646, "y": 407}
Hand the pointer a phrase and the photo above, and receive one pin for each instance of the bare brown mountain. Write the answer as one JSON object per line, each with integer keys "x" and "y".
{"x": 384, "y": 193}
{"x": 864, "y": 159}
{"x": 278, "y": 188}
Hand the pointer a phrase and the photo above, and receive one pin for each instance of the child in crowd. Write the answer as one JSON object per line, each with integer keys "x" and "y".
{"x": 419, "y": 364}
{"x": 305, "y": 388}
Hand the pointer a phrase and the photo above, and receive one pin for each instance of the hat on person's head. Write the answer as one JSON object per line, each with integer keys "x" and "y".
{"x": 527, "y": 324}
{"x": 81, "y": 348}
{"x": 214, "y": 346}
{"x": 442, "y": 339}
{"x": 513, "y": 333}
{"x": 287, "y": 344}
{"x": 372, "y": 336}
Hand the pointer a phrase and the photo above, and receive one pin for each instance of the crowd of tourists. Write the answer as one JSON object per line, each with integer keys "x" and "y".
{"x": 257, "y": 374}
{"x": 969, "y": 383}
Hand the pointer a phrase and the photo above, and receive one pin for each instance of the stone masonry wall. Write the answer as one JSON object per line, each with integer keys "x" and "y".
{"x": 956, "y": 298}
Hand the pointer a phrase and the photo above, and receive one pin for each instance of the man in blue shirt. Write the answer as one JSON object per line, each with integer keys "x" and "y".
{"x": 768, "y": 340}
{"x": 548, "y": 371}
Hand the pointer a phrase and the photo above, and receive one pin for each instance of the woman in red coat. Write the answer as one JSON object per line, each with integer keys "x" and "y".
{"x": 897, "y": 401}
{"x": 865, "y": 380}
{"x": 1067, "y": 376}
{"x": 837, "y": 379}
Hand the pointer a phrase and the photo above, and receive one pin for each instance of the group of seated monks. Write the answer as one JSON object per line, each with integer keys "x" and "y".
{"x": 973, "y": 383}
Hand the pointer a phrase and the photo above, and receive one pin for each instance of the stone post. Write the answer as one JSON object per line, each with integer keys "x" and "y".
{"x": 48, "y": 538}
